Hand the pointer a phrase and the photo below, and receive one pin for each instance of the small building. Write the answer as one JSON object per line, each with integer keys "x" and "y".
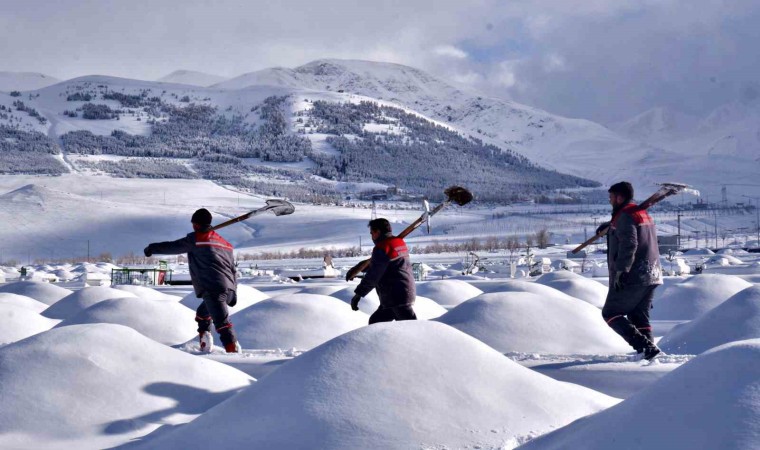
{"x": 154, "y": 276}
{"x": 666, "y": 244}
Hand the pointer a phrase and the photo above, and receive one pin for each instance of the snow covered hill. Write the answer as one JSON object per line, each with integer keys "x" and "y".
{"x": 192, "y": 77}
{"x": 25, "y": 81}
{"x": 659, "y": 145}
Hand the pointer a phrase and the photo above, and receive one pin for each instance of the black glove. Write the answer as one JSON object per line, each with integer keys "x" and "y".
{"x": 147, "y": 251}
{"x": 602, "y": 226}
{"x": 619, "y": 280}
{"x": 355, "y": 302}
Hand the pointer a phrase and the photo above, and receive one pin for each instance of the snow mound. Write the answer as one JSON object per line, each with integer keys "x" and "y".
{"x": 577, "y": 286}
{"x": 20, "y": 322}
{"x": 708, "y": 403}
{"x": 322, "y": 290}
{"x": 101, "y": 385}
{"x": 22, "y": 301}
{"x": 146, "y": 292}
{"x": 526, "y": 286}
{"x": 164, "y": 321}
{"x": 424, "y": 308}
{"x": 427, "y": 309}
{"x": 367, "y": 305}
{"x": 736, "y": 319}
{"x": 695, "y": 296}
{"x": 42, "y": 292}
{"x": 699, "y": 252}
{"x": 82, "y": 299}
{"x": 414, "y": 384}
{"x": 301, "y": 321}
{"x": 725, "y": 260}
{"x": 447, "y": 292}
{"x": 527, "y": 322}
{"x": 246, "y": 296}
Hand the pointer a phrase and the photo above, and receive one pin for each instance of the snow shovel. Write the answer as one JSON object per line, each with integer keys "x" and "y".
{"x": 278, "y": 207}
{"x": 666, "y": 190}
{"x": 454, "y": 194}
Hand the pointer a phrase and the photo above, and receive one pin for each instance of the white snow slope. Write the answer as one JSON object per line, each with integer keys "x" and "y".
{"x": 392, "y": 386}
{"x": 86, "y": 386}
{"x": 736, "y": 319}
{"x": 526, "y": 322}
{"x": 710, "y": 402}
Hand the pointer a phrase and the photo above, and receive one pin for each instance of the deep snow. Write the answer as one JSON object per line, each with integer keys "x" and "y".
{"x": 398, "y": 385}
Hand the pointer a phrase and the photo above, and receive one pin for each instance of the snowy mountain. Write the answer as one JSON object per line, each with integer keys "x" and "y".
{"x": 25, "y": 81}
{"x": 192, "y": 77}
{"x": 656, "y": 146}
{"x": 722, "y": 146}
{"x": 657, "y": 123}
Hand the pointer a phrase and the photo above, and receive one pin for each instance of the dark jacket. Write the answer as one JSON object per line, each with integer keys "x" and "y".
{"x": 210, "y": 257}
{"x": 390, "y": 272}
{"x": 632, "y": 244}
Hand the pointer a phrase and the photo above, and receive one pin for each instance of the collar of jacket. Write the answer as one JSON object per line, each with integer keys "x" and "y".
{"x": 617, "y": 209}
{"x": 383, "y": 237}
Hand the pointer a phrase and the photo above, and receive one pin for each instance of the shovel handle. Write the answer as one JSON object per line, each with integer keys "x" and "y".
{"x": 357, "y": 269}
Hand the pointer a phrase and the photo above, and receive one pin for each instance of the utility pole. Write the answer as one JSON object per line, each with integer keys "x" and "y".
{"x": 88, "y": 250}
{"x": 757, "y": 216}
{"x": 678, "y": 237}
{"x": 716, "y": 229}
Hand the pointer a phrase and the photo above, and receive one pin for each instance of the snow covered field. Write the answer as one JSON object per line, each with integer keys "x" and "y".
{"x": 120, "y": 367}
{"x": 494, "y": 362}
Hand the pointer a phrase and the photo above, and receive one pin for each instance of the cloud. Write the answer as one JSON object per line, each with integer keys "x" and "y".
{"x": 599, "y": 59}
{"x": 450, "y": 51}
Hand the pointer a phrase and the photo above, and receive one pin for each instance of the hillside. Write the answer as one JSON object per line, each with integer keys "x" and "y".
{"x": 192, "y": 77}
{"x": 25, "y": 81}
{"x": 145, "y": 117}
{"x": 270, "y": 140}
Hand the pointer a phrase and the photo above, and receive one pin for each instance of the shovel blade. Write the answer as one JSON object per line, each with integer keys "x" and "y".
{"x": 280, "y": 207}
{"x": 458, "y": 195}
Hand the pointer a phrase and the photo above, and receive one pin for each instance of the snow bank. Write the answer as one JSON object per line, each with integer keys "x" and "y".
{"x": 302, "y": 321}
{"x": 20, "y": 322}
{"x": 98, "y": 386}
{"x": 42, "y": 292}
{"x": 146, "y": 292}
{"x": 725, "y": 259}
{"x": 695, "y": 296}
{"x": 22, "y": 301}
{"x": 404, "y": 385}
{"x": 322, "y": 290}
{"x": 708, "y": 403}
{"x": 527, "y": 322}
{"x": 427, "y": 309}
{"x": 736, "y": 319}
{"x": 367, "y": 305}
{"x": 526, "y": 286}
{"x": 575, "y": 285}
{"x": 424, "y": 307}
{"x": 699, "y": 252}
{"x": 82, "y": 299}
{"x": 246, "y": 296}
{"x": 164, "y": 321}
{"x": 447, "y": 292}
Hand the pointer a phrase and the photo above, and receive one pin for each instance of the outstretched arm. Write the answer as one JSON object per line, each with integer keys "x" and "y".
{"x": 177, "y": 247}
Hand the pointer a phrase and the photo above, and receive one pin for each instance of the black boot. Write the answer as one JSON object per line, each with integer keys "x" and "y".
{"x": 627, "y": 331}
{"x": 651, "y": 352}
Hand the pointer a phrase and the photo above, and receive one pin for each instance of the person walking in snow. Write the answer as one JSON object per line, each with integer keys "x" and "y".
{"x": 390, "y": 273}
{"x": 633, "y": 260}
{"x": 212, "y": 271}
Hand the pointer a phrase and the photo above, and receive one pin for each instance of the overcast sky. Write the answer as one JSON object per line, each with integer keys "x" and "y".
{"x": 602, "y": 60}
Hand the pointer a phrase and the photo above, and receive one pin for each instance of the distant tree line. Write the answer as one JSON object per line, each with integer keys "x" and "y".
{"x": 28, "y": 152}
{"x": 422, "y": 156}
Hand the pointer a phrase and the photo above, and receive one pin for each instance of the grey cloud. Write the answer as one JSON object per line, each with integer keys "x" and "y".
{"x": 604, "y": 60}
